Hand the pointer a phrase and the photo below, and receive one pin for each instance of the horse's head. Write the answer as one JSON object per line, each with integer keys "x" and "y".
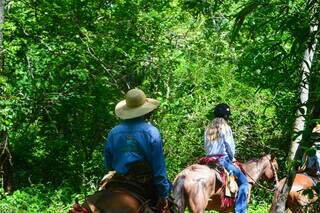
{"x": 271, "y": 168}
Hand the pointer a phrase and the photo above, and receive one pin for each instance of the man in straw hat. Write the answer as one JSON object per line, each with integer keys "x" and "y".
{"x": 134, "y": 147}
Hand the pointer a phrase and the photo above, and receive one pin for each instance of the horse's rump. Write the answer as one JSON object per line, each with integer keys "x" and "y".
{"x": 199, "y": 178}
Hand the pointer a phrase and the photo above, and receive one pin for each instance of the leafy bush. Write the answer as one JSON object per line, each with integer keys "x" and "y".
{"x": 39, "y": 198}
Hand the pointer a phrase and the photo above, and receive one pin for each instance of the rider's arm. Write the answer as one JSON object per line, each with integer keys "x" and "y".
{"x": 229, "y": 143}
{"x": 158, "y": 165}
{"x": 108, "y": 154}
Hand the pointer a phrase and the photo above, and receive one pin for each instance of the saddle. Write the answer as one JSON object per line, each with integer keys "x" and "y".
{"x": 138, "y": 183}
{"x": 228, "y": 181}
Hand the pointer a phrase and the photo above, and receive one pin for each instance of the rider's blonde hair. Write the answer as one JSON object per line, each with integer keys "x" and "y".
{"x": 214, "y": 128}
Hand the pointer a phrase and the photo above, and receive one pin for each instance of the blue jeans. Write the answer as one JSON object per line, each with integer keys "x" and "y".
{"x": 241, "y": 199}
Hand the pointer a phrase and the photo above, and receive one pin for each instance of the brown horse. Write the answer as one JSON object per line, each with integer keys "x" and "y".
{"x": 198, "y": 187}
{"x": 116, "y": 196}
{"x": 297, "y": 200}
{"x": 109, "y": 201}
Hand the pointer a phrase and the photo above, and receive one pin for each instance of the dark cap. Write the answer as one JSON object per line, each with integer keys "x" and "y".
{"x": 222, "y": 110}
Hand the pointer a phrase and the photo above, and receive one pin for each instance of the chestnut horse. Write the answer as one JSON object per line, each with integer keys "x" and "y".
{"x": 297, "y": 200}
{"x": 106, "y": 201}
{"x": 120, "y": 197}
{"x": 198, "y": 187}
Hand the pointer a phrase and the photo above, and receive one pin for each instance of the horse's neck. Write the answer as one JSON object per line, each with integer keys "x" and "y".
{"x": 255, "y": 169}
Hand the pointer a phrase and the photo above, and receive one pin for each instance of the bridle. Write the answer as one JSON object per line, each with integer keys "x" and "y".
{"x": 274, "y": 172}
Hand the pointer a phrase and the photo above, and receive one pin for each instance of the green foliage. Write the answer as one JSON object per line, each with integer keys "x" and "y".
{"x": 67, "y": 64}
{"x": 39, "y": 198}
{"x": 63, "y": 69}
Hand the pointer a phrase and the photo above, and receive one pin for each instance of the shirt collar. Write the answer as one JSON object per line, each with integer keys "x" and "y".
{"x": 135, "y": 120}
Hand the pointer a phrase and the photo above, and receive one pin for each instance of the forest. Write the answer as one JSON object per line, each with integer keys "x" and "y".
{"x": 65, "y": 64}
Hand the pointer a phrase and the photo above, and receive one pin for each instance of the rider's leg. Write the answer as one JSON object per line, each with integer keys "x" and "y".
{"x": 318, "y": 170}
{"x": 318, "y": 162}
{"x": 241, "y": 200}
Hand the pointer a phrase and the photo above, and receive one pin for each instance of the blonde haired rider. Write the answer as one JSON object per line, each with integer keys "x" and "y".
{"x": 219, "y": 141}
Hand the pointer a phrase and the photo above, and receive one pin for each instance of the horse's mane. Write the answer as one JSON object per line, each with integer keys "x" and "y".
{"x": 253, "y": 160}
{"x": 256, "y": 159}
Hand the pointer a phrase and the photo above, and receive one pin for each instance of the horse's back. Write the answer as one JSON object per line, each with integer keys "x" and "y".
{"x": 197, "y": 171}
{"x": 300, "y": 182}
{"x": 303, "y": 181}
{"x": 112, "y": 201}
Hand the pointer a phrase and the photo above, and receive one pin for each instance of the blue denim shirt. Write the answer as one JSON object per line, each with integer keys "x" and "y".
{"x": 136, "y": 140}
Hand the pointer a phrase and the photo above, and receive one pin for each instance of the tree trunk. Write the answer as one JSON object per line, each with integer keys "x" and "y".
{"x": 6, "y": 164}
{"x": 296, "y": 151}
{"x": 304, "y": 95}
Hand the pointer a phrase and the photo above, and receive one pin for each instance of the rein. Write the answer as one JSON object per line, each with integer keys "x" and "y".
{"x": 274, "y": 173}
{"x": 260, "y": 185}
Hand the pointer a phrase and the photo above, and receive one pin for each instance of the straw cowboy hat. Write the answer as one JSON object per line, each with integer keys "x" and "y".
{"x": 135, "y": 105}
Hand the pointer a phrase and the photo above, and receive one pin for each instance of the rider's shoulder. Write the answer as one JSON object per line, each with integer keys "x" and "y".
{"x": 225, "y": 128}
{"x": 148, "y": 127}
{"x": 116, "y": 129}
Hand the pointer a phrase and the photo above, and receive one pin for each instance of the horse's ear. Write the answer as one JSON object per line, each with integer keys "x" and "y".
{"x": 273, "y": 156}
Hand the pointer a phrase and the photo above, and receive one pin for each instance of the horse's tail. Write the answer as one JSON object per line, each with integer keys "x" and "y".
{"x": 178, "y": 193}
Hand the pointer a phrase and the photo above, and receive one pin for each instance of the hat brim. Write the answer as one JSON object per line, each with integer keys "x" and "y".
{"x": 125, "y": 112}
